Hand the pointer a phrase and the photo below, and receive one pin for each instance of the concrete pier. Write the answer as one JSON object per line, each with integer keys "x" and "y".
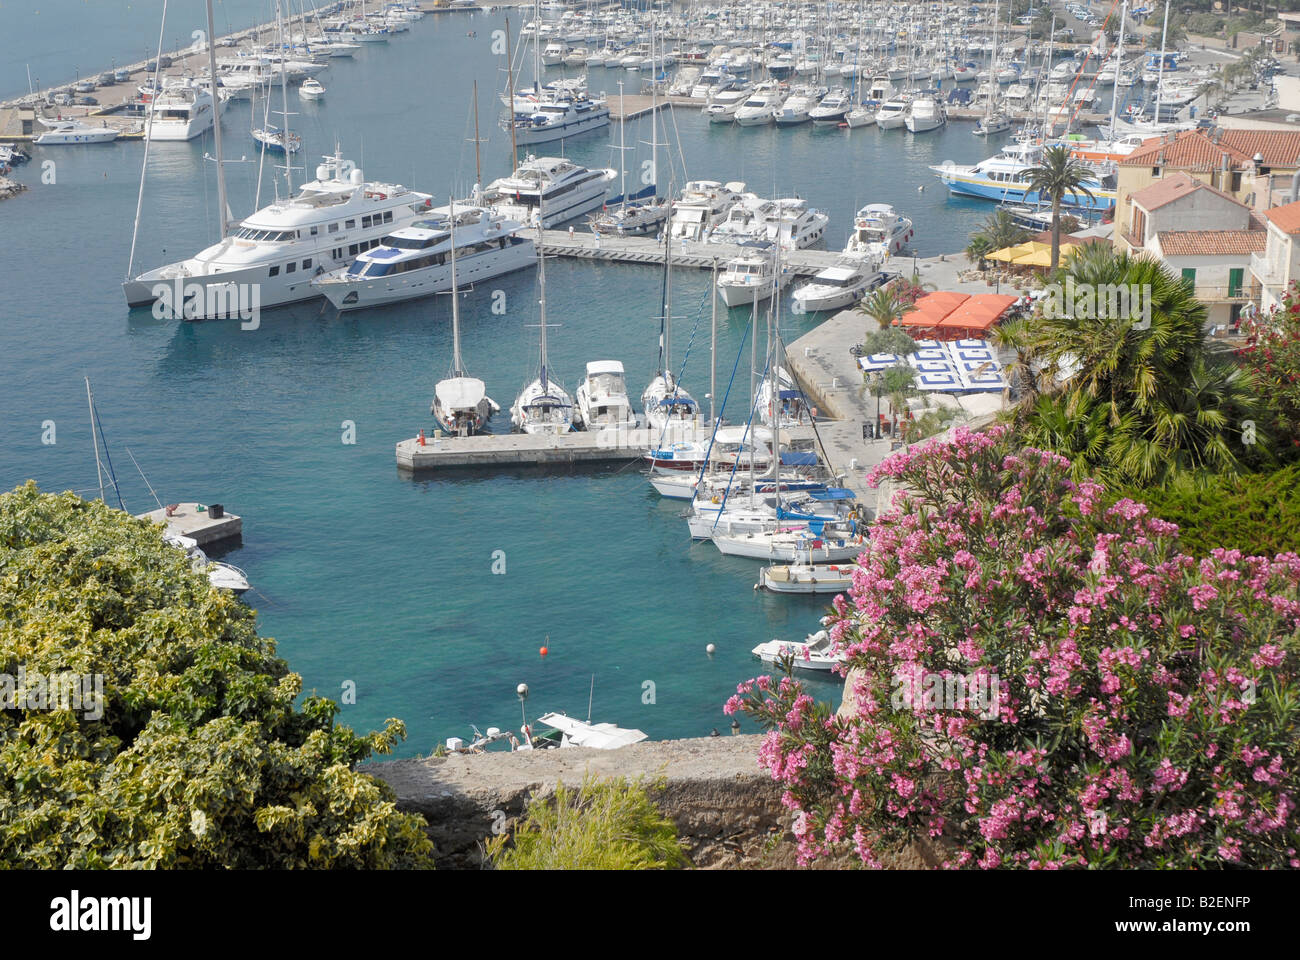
{"x": 589, "y": 246}
{"x": 506, "y": 450}
{"x": 189, "y": 521}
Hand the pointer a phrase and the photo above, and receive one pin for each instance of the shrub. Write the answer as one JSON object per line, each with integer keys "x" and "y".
{"x": 200, "y": 757}
{"x": 1141, "y": 707}
{"x": 604, "y": 825}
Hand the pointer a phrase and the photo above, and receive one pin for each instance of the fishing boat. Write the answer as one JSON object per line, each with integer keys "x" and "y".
{"x": 460, "y": 403}
{"x": 543, "y": 406}
{"x": 602, "y": 398}
{"x": 807, "y": 578}
{"x": 815, "y": 653}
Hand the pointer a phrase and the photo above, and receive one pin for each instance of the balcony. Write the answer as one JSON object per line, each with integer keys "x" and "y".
{"x": 1265, "y": 273}
{"x": 1245, "y": 292}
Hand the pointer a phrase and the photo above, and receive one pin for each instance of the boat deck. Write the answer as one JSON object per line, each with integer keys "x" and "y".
{"x": 498, "y": 450}
{"x": 589, "y": 246}
{"x": 189, "y": 521}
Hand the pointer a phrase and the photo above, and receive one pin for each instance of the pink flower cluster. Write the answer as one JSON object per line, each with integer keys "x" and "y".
{"x": 1145, "y": 714}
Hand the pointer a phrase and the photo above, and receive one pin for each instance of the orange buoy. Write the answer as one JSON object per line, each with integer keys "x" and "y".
{"x": 543, "y": 651}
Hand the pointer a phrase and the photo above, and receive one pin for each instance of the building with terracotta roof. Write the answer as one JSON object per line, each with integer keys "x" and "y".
{"x": 1278, "y": 265}
{"x": 1201, "y": 233}
{"x": 1255, "y": 166}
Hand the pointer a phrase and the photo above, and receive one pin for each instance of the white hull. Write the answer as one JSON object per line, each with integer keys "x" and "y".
{"x": 787, "y": 548}
{"x": 355, "y": 294}
{"x": 800, "y": 578}
{"x": 527, "y": 136}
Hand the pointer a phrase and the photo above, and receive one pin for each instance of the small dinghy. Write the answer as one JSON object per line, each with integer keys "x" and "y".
{"x": 807, "y": 578}
{"x": 812, "y": 654}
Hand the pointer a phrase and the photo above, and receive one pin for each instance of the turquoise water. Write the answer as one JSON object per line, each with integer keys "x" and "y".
{"x": 362, "y": 574}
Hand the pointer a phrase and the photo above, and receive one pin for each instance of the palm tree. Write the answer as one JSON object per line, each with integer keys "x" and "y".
{"x": 885, "y": 307}
{"x": 978, "y": 248}
{"x": 1001, "y": 230}
{"x": 1058, "y": 176}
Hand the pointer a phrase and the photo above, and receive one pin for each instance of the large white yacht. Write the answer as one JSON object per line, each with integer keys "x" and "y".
{"x": 702, "y": 205}
{"x": 552, "y": 188}
{"x": 760, "y": 106}
{"x": 925, "y": 114}
{"x": 837, "y": 286}
{"x": 280, "y": 248}
{"x": 181, "y": 111}
{"x": 746, "y": 221}
{"x": 415, "y": 260}
{"x": 62, "y": 131}
{"x": 602, "y": 398}
{"x": 878, "y": 231}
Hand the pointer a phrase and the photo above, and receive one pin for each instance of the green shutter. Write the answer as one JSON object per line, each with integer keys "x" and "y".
{"x": 1189, "y": 277}
{"x": 1235, "y": 276}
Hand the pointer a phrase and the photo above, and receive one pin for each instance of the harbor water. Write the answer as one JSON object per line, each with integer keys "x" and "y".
{"x": 431, "y": 596}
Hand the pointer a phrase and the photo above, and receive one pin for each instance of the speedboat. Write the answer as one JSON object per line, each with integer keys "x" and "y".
{"x": 311, "y": 89}
{"x": 223, "y": 576}
{"x": 551, "y": 189}
{"x": 836, "y": 287}
{"x": 892, "y": 113}
{"x": 414, "y": 261}
{"x": 815, "y": 653}
{"x": 722, "y": 107}
{"x": 832, "y": 108}
{"x": 279, "y": 249}
{"x": 760, "y": 107}
{"x": 602, "y": 398}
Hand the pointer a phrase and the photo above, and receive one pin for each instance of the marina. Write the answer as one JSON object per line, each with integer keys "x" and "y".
{"x": 301, "y": 408}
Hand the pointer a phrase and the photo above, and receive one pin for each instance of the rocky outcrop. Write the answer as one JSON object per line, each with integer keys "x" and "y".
{"x": 10, "y": 188}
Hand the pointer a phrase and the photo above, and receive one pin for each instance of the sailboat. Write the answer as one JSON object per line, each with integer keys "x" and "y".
{"x": 664, "y": 401}
{"x": 542, "y": 407}
{"x": 460, "y": 403}
{"x": 641, "y": 212}
{"x": 993, "y": 121}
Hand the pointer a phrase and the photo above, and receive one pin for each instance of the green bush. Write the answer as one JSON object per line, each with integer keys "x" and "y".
{"x": 605, "y": 825}
{"x": 1256, "y": 513}
{"x": 200, "y": 757}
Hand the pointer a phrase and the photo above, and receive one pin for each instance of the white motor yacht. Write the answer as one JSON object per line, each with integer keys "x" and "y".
{"x": 703, "y": 204}
{"x": 280, "y": 248}
{"x": 748, "y": 278}
{"x": 833, "y": 108}
{"x": 925, "y": 114}
{"x": 60, "y": 131}
{"x": 415, "y": 260}
{"x": 836, "y": 287}
{"x": 602, "y": 398}
{"x": 551, "y": 190}
{"x": 181, "y": 111}
{"x": 793, "y": 224}
{"x": 815, "y": 653}
{"x": 879, "y": 231}
{"x": 760, "y": 107}
{"x": 892, "y": 113}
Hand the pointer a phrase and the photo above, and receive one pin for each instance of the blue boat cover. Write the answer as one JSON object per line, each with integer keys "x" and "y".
{"x": 834, "y": 493}
{"x": 793, "y": 459}
{"x": 790, "y": 394}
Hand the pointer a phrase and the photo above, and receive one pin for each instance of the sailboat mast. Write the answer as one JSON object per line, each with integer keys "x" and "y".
{"x": 541, "y": 283}
{"x": 622, "y": 146}
{"x": 478, "y": 165}
{"x": 713, "y": 344}
{"x": 993, "y": 68}
{"x": 510, "y": 93}
{"x": 284, "y": 91}
{"x": 144, "y": 162}
{"x": 1160, "y": 81}
{"x": 216, "y": 124}
{"x": 94, "y": 440}
{"x": 455, "y": 297}
{"x": 1119, "y": 64}
{"x": 668, "y": 308}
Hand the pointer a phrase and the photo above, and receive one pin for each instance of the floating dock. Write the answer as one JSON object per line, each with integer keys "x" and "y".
{"x": 506, "y": 450}
{"x": 195, "y": 520}
{"x": 590, "y": 246}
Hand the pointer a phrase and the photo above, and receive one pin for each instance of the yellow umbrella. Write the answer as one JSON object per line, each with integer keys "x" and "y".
{"x": 1038, "y": 258}
{"x": 1006, "y": 254}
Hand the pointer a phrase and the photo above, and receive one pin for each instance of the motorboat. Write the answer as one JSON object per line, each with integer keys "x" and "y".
{"x": 558, "y": 119}
{"x": 797, "y": 106}
{"x": 745, "y": 222}
{"x": 836, "y": 287}
{"x": 815, "y": 653}
{"x": 551, "y": 190}
{"x": 415, "y": 261}
{"x": 181, "y": 111}
{"x": 279, "y": 249}
{"x": 832, "y": 108}
{"x": 749, "y": 278}
{"x": 892, "y": 113}
{"x": 807, "y": 578}
{"x": 760, "y": 107}
{"x": 794, "y": 225}
{"x": 1006, "y": 177}
{"x": 879, "y": 231}
{"x": 703, "y": 204}
{"x": 925, "y": 114}
{"x": 722, "y": 106}
{"x": 602, "y": 398}
{"x": 59, "y": 132}
{"x": 223, "y": 576}
{"x": 311, "y": 89}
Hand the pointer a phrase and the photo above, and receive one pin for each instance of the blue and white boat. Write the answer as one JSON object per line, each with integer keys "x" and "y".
{"x": 1005, "y": 177}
